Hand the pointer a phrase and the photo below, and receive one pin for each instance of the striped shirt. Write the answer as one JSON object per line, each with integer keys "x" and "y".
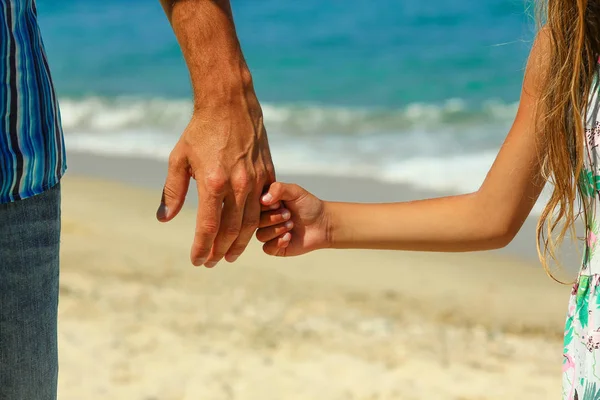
{"x": 32, "y": 153}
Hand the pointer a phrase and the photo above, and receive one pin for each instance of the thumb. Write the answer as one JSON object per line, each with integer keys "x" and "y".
{"x": 279, "y": 191}
{"x": 175, "y": 189}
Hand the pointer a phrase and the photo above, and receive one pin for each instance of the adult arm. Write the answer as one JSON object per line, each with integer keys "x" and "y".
{"x": 224, "y": 147}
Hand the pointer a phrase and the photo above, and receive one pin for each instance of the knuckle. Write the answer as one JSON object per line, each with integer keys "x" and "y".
{"x": 250, "y": 223}
{"x": 216, "y": 182}
{"x": 232, "y": 231}
{"x": 208, "y": 229}
{"x": 242, "y": 181}
{"x": 276, "y": 187}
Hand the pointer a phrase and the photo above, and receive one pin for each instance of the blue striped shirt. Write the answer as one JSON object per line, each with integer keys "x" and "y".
{"x": 32, "y": 153}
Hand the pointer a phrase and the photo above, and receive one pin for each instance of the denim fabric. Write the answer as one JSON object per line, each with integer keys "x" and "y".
{"x": 29, "y": 269}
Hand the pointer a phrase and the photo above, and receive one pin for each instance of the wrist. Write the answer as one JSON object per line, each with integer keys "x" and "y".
{"x": 331, "y": 224}
{"x": 227, "y": 84}
{"x": 206, "y": 34}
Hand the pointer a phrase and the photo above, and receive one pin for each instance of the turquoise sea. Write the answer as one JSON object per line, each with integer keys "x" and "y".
{"x": 417, "y": 92}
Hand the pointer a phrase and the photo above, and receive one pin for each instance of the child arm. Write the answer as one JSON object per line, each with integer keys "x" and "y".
{"x": 486, "y": 219}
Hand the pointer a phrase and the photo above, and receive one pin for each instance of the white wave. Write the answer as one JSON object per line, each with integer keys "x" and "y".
{"x": 125, "y": 144}
{"x": 96, "y": 114}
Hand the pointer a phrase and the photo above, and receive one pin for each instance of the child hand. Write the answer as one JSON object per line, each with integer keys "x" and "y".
{"x": 299, "y": 226}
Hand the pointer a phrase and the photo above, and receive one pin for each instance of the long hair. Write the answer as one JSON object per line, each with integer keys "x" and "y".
{"x": 570, "y": 66}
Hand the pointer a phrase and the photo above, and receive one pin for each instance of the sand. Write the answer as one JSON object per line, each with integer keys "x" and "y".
{"x": 138, "y": 321}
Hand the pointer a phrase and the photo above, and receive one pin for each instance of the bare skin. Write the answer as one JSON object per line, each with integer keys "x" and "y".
{"x": 224, "y": 147}
{"x": 487, "y": 219}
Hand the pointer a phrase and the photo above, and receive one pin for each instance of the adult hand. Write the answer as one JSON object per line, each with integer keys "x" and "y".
{"x": 225, "y": 149}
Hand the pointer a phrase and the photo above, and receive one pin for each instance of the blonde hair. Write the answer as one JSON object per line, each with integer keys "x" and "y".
{"x": 570, "y": 66}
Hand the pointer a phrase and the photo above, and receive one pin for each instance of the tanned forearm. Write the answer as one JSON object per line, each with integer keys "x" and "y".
{"x": 457, "y": 223}
{"x": 206, "y": 34}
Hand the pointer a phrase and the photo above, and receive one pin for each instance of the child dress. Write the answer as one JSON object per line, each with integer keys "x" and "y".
{"x": 581, "y": 353}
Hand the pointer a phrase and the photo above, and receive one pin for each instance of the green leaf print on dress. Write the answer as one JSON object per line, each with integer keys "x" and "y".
{"x": 568, "y": 337}
{"x": 589, "y": 182}
{"x": 582, "y": 300}
{"x": 591, "y": 393}
{"x": 581, "y": 352}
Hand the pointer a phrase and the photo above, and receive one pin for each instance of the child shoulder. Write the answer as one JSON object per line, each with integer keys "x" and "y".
{"x": 539, "y": 56}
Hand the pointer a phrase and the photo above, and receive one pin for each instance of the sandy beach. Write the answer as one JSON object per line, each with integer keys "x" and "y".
{"x": 138, "y": 321}
{"x": 363, "y": 102}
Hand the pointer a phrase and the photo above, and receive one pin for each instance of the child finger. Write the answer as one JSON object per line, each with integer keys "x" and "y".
{"x": 270, "y": 218}
{"x": 274, "y": 194}
{"x": 276, "y": 247}
{"x": 271, "y": 207}
{"x": 271, "y": 232}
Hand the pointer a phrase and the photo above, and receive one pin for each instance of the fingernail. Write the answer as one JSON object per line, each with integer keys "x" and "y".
{"x": 274, "y": 206}
{"x": 162, "y": 211}
{"x": 289, "y": 225}
{"x": 286, "y": 237}
{"x": 211, "y": 264}
{"x": 232, "y": 259}
{"x": 267, "y": 198}
{"x": 286, "y": 214}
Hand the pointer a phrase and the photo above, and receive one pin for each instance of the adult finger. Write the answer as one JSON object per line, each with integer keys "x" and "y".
{"x": 249, "y": 225}
{"x": 229, "y": 230}
{"x": 211, "y": 192}
{"x": 175, "y": 188}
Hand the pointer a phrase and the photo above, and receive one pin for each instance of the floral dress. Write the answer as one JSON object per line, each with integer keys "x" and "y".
{"x": 581, "y": 353}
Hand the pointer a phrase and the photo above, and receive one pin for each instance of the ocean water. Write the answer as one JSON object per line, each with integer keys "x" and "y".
{"x": 417, "y": 92}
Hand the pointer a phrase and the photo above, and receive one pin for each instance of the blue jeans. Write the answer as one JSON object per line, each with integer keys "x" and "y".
{"x": 29, "y": 253}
